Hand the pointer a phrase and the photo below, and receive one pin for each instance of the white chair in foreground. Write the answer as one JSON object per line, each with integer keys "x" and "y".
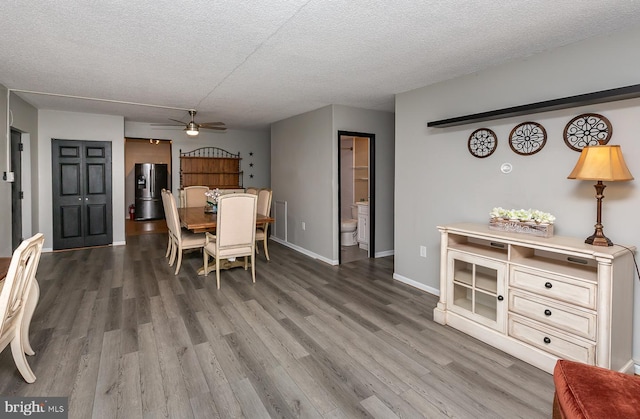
{"x": 235, "y": 232}
{"x": 181, "y": 239}
{"x": 264, "y": 208}
{"x": 17, "y": 304}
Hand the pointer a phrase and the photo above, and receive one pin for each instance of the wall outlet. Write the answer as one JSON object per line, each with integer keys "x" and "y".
{"x": 304, "y": 225}
{"x": 423, "y": 251}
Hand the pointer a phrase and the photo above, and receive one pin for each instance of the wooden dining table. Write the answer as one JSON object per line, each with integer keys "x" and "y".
{"x": 198, "y": 221}
{"x": 4, "y": 267}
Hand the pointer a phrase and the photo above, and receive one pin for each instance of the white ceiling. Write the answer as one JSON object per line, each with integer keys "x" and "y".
{"x": 251, "y": 63}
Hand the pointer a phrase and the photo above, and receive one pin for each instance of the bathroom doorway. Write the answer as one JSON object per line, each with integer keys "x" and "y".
{"x": 355, "y": 197}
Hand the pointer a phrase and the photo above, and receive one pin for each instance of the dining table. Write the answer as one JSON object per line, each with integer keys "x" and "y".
{"x": 197, "y": 220}
{"x": 4, "y": 267}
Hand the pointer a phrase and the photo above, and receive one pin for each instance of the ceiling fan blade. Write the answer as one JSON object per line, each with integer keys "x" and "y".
{"x": 167, "y": 125}
{"x": 212, "y": 126}
{"x": 215, "y": 128}
{"x": 212, "y": 123}
{"x": 180, "y": 122}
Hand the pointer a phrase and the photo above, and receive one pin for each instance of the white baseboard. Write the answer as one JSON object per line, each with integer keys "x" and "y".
{"x": 636, "y": 369}
{"x": 304, "y": 251}
{"x": 47, "y": 249}
{"x": 122, "y": 243}
{"x": 416, "y": 284}
{"x": 384, "y": 254}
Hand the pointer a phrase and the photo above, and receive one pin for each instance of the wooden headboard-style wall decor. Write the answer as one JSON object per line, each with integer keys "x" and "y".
{"x": 210, "y": 166}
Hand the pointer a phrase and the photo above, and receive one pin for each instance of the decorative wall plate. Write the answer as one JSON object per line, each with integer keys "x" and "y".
{"x": 527, "y": 138}
{"x": 482, "y": 142}
{"x": 587, "y": 129}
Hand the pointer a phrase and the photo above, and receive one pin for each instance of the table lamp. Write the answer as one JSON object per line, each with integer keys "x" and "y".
{"x": 600, "y": 163}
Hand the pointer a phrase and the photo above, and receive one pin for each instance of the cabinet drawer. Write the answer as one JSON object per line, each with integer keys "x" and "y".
{"x": 561, "y": 288}
{"x": 554, "y": 342}
{"x": 552, "y": 313}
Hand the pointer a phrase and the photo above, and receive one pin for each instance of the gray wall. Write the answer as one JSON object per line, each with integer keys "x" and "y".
{"x": 25, "y": 120}
{"x": 438, "y": 181}
{"x": 304, "y": 173}
{"x": 79, "y": 126}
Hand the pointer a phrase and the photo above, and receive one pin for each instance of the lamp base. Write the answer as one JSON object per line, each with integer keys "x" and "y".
{"x": 598, "y": 239}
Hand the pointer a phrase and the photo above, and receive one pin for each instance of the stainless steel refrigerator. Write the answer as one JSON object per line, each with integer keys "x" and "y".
{"x": 150, "y": 179}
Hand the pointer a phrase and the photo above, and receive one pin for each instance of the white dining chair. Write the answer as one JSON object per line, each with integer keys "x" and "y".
{"x": 194, "y": 196}
{"x": 235, "y": 232}
{"x": 182, "y": 239}
{"x": 17, "y": 304}
{"x": 167, "y": 211}
{"x": 264, "y": 208}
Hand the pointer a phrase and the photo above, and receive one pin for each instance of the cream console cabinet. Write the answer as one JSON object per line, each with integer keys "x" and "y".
{"x": 538, "y": 299}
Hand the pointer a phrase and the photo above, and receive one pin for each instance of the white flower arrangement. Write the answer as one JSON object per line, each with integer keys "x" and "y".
{"x": 523, "y": 215}
{"x": 212, "y": 196}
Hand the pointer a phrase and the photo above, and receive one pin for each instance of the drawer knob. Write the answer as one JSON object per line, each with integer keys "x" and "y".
{"x": 547, "y": 312}
{"x": 500, "y": 298}
{"x": 548, "y": 285}
{"x": 547, "y": 340}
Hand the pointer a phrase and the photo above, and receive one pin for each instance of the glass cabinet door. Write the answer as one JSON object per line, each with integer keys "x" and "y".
{"x": 476, "y": 289}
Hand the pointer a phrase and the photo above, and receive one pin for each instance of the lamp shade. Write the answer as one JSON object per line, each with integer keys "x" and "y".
{"x": 192, "y": 129}
{"x": 601, "y": 162}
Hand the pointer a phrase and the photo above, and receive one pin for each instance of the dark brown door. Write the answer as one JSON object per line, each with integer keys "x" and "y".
{"x": 16, "y": 189}
{"x": 82, "y": 213}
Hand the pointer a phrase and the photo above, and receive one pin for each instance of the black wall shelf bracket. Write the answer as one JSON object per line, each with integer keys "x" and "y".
{"x": 620, "y": 93}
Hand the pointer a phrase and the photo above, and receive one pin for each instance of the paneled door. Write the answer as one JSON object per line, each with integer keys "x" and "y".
{"x": 82, "y": 211}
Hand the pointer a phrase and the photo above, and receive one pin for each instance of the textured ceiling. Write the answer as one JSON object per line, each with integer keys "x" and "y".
{"x": 251, "y": 63}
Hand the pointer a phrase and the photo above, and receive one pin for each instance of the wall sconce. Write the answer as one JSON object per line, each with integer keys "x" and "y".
{"x": 600, "y": 163}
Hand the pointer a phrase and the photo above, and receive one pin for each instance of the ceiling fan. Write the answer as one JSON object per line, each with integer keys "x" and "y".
{"x": 192, "y": 128}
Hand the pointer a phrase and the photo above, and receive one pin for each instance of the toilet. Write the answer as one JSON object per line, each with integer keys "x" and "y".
{"x": 349, "y": 229}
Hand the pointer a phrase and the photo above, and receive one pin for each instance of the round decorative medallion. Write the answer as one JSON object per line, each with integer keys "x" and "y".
{"x": 482, "y": 142}
{"x": 587, "y": 129}
{"x": 527, "y": 138}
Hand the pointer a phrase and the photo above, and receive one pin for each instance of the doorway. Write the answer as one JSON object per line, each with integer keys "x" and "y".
{"x": 356, "y": 198}
{"x": 16, "y": 189}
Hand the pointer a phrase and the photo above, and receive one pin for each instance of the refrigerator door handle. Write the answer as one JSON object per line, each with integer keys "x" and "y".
{"x": 152, "y": 179}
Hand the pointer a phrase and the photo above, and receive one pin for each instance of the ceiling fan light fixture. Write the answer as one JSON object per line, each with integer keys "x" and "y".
{"x": 192, "y": 129}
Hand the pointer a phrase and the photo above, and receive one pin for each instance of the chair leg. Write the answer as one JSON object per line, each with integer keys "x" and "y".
{"x": 32, "y": 301}
{"x": 179, "y": 261}
{"x": 266, "y": 250}
{"x": 168, "y": 248}
{"x": 172, "y": 259}
{"x": 205, "y": 260}
{"x": 19, "y": 358}
{"x": 218, "y": 271}
{"x": 253, "y": 267}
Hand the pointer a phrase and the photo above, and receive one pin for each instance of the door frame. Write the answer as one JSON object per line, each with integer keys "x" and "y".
{"x": 372, "y": 188}
{"x": 17, "y": 193}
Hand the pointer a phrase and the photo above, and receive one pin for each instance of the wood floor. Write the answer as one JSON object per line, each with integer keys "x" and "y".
{"x": 122, "y": 337}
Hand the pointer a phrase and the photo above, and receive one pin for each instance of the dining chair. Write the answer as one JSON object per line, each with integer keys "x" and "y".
{"x": 235, "y": 232}
{"x": 182, "y": 239}
{"x": 167, "y": 215}
{"x": 194, "y": 196}
{"x": 264, "y": 208}
{"x": 252, "y": 190}
{"x": 16, "y": 302}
